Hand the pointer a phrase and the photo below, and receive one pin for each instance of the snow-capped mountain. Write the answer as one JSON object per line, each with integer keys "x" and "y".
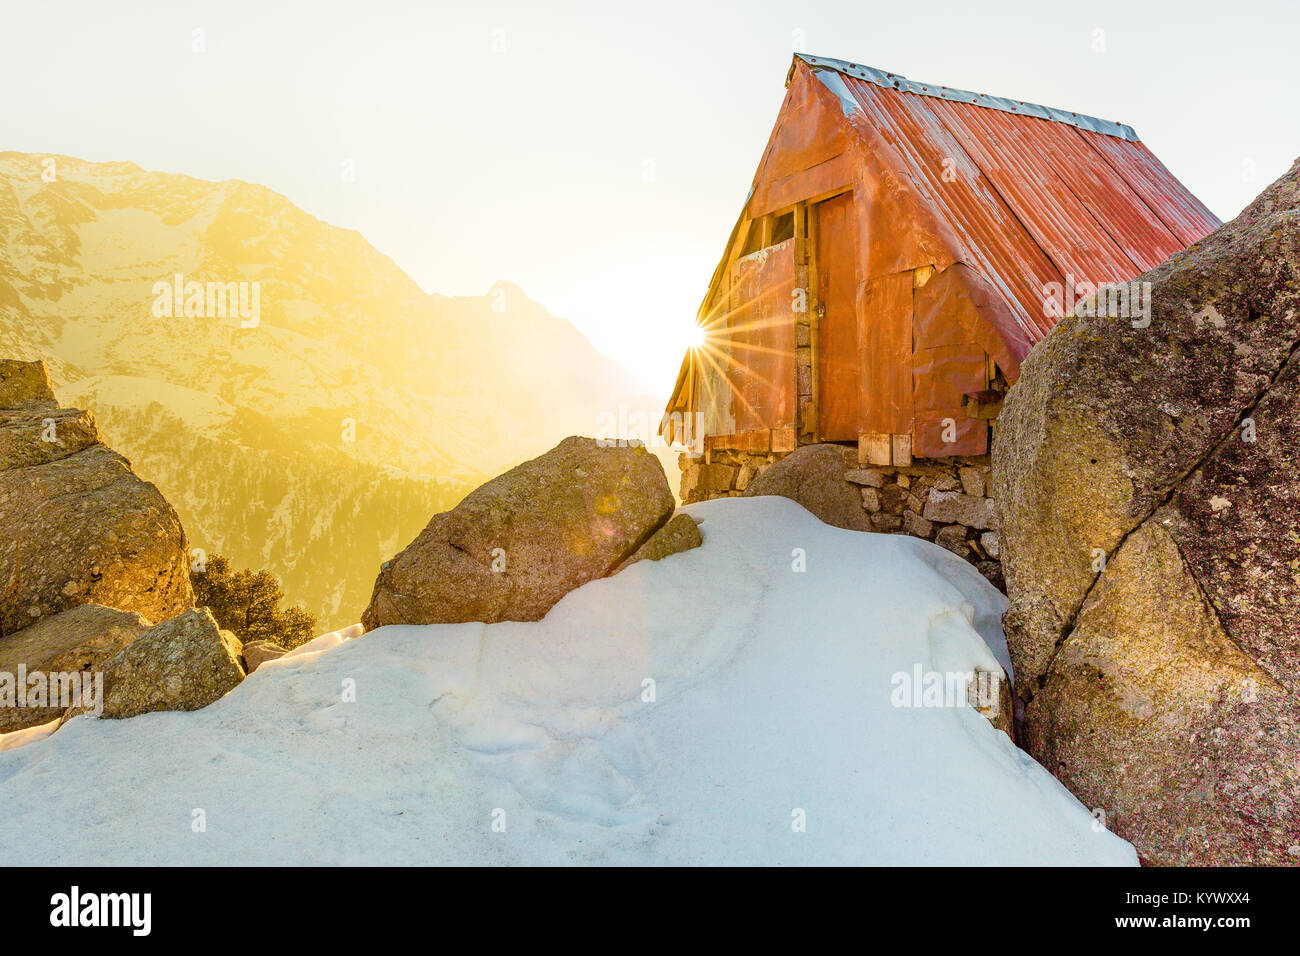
{"x": 303, "y": 404}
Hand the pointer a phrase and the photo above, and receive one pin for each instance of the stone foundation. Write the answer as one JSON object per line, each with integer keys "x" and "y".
{"x": 944, "y": 500}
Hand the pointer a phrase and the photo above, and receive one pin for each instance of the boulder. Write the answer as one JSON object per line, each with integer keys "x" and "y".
{"x": 25, "y": 385}
{"x": 182, "y": 664}
{"x": 516, "y": 545}
{"x": 257, "y": 653}
{"x": 80, "y": 527}
{"x": 31, "y": 436}
{"x": 1145, "y": 470}
{"x": 815, "y": 476}
{"x": 680, "y": 533}
{"x": 76, "y": 641}
{"x": 85, "y": 529}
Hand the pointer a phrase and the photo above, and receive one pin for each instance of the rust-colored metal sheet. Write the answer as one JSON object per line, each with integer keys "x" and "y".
{"x": 1027, "y": 198}
{"x": 1184, "y": 215}
{"x": 938, "y": 434}
{"x": 885, "y": 359}
{"x": 945, "y": 375}
{"x": 945, "y": 185}
{"x": 838, "y": 359}
{"x": 960, "y": 221}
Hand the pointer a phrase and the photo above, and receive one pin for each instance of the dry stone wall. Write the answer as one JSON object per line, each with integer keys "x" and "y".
{"x": 946, "y": 500}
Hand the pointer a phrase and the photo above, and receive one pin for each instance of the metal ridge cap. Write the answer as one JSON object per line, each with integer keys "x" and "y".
{"x": 896, "y": 81}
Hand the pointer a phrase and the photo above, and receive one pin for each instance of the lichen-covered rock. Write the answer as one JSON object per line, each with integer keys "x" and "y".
{"x": 257, "y": 653}
{"x": 181, "y": 664}
{"x": 680, "y": 533}
{"x": 86, "y": 530}
{"x": 25, "y": 385}
{"x": 77, "y": 641}
{"x": 31, "y": 436}
{"x": 519, "y": 543}
{"x": 1145, "y": 470}
{"x": 78, "y": 525}
{"x": 815, "y": 477}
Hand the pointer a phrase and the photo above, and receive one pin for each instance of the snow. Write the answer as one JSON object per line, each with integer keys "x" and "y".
{"x": 540, "y": 743}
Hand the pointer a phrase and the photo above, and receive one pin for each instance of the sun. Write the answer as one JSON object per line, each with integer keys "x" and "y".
{"x": 696, "y": 336}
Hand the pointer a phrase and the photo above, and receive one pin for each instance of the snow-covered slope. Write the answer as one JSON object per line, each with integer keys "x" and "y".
{"x": 540, "y": 743}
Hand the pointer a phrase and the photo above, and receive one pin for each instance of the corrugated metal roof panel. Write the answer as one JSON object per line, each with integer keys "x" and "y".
{"x": 1184, "y": 214}
{"x": 1031, "y": 198}
{"x": 980, "y": 218}
{"x": 897, "y": 81}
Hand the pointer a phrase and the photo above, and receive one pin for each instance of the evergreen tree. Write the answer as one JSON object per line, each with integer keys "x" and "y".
{"x": 248, "y": 603}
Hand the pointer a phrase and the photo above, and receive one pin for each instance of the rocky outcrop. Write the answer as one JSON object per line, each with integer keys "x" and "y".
{"x": 182, "y": 664}
{"x": 680, "y": 533}
{"x": 257, "y": 653}
{"x": 79, "y": 526}
{"x": 25, "y": 385}
{"x": 519, "y": 543}
{"x": 1145, "y": 470}
{"x": 77, "y": 641}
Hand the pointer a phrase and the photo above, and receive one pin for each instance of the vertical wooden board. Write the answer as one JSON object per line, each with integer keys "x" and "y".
{"x": 837, "y": 356}
{"x": 875, "y": 449}
{"x": 901, "y": 450}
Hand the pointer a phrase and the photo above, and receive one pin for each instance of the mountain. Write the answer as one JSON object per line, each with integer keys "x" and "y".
{"x": 300, "y": 401}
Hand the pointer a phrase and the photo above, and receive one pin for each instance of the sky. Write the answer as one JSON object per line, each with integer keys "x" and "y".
{"x": 597, "y": 154}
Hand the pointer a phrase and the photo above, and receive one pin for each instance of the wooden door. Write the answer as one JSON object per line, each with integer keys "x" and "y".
{"x": 838, "y": 372}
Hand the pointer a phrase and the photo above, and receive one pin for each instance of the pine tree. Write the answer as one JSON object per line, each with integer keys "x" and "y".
{"x": 248, "y": 603}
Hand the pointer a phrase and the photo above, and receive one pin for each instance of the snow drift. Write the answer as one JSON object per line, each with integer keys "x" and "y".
{"x": 719, "y": 706}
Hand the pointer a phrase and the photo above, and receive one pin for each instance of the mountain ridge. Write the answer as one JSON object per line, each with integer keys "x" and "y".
{"x": 349, "y": 382}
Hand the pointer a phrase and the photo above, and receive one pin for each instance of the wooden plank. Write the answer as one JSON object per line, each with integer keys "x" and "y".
{"x": 813, "y": 305}
{"x": 783, "y": 439}
{"x": 875, "y": 449}
{"x": 757, "y": 440}
{"x": 901, "y": 450}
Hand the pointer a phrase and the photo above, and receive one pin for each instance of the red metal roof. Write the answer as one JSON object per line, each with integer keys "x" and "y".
{"x": 1059, "y": 197}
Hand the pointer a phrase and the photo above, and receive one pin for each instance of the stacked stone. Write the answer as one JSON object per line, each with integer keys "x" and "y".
{"x": 945, "y": 501}
{"x": 942, "y": 500}
{"x": 722, "y": 474}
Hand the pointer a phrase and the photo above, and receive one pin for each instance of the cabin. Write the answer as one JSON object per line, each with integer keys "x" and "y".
{"x": 902, "y": 247}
